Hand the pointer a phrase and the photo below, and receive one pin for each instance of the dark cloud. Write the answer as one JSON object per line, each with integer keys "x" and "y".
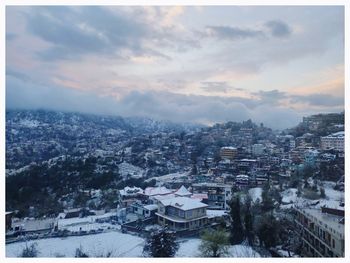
{"x": 77, "y": 31}
{"x": 233, "y": 33}
{"x": 278, "y": 28}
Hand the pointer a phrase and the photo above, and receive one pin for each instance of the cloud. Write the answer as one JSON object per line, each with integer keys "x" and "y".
{"x": 158, "y": 105}
{"x": 217, "y": 86}
{"x": 73, "y": 32}
{"x": 10, "y": 36}
{"x": 327, "y": 100}
{"x": 232, "y": 33}
{"x": 278, "y": 28}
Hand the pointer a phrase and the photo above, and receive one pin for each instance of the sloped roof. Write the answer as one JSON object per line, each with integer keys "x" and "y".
{"x": 182, "y": 191}
{"x": 183, "y": 203}
{"x": 151, "y": 191}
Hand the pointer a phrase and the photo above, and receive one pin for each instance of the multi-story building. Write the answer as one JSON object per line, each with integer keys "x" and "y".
{"x": 333, "y": 141}
{"x": 321, "y": 231}
{"x": 218, "y": 194}
{"x": 228, "y": 153}
{"x": 182, "y": 213}
{"x": 258, "y": 149}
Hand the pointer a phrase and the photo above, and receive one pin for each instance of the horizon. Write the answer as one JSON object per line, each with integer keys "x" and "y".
{"x": 184, "y": 64}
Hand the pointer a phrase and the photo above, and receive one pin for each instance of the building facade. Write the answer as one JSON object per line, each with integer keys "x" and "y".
{"x": 333, "y": 141}
{"x": 321, "y": 231}
{"x": 182, "y": 213}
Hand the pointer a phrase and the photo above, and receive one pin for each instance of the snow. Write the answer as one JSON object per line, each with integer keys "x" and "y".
{"x": 152, "y": 191}
{"x": 29, "y": 123}
{"x": 126, "y": 169}
{"x": 121, "y": 245}
{"x": 190, "y": 248}
{"x": 289, "y": 195}
{"x": 130, "y": 191}
{"x": 183, "y": 203}
{"x": 255, "y": 193}
{"x": 183, "y": 191}
{"x": 168, "y": 177}
{"x": 216, "y": 213}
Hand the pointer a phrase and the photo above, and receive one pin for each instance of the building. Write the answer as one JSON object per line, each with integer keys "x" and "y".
{"x": 218, "y": 194}
{"x": 321, "y": 231}
{"x": 228, "y": 153}
{"x": 182, "y": 213}
{"x": 333, "y": 141}
{"x": 258, "y": 149}
{"x": 8, "y": 218}
{"x": 129, "y": 195}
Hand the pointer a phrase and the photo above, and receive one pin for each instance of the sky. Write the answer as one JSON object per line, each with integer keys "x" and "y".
{"x": 201, "y": 64}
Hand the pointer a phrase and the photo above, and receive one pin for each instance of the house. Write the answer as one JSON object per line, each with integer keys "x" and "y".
{"x": 182, "y": 191}
{"x": 129, "y": 195}
{"x": 182, "y": 213}
{"x": 218, "y": 194}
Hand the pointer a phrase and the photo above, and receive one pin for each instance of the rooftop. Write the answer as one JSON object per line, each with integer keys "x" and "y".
{"x": 183, "y": 203}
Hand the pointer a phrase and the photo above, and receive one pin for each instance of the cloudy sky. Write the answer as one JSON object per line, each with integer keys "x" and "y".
{"x": 185, "y": 64}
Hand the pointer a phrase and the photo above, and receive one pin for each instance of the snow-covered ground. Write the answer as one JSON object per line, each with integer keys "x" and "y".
{"x": 168, "y": 177}
{"x": 255, "y": 193}
{"x": 190, "y": 248}
{"x": 120, "y": 245}
{"x": 289, "y": 195}
{"x": 126, "y": 169}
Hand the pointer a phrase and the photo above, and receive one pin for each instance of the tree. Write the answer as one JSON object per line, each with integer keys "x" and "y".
{"x": 161, "y": 244}
{"x": 322, "y": 193}
{"x": 248, "y": 220}
{"x": 267, "y": 202}
{"x": 79, "y": 253}
{"x": 214, "y": 243}
{"x": 268, "y": 231}
{"x": 237, "y": 232}
{"x": 30, "y": 251}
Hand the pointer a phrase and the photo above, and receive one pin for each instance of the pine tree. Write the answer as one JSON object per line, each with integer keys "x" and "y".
{"x": 267, "y": 202}
{"x": 248, "y": 220}
{"x": 237, "y": 232}
{"x": 161, "y": 244}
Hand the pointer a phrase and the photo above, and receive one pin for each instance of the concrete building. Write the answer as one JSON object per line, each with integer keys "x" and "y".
{"x": 228, "y": 153}
{"x": 258, "y": 149}
{"x": 182, "y": 213}
{"x": 333, "y": 141}
{"x": 218, "y": 194}
{"x": 321, "y": 231}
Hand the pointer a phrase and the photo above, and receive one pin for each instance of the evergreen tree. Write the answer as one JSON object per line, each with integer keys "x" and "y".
{"x": 267, "y": 202}
{"x": 161, "y": 244}
{"x": 268, "y": 231}
{"x": 237, "y": 232}
{"x": 214, "y": 243}
{"x": 248, "y": 220}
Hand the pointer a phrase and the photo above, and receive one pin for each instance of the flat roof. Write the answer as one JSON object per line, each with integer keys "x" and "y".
{"x": 327, "y": 220}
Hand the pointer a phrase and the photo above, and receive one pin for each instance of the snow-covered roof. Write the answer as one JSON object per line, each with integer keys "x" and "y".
{"x": 228, "y": 148}
{"x": 337, "y": 134}
{"x": 151, "y": 207}
{"x": 199, "y": 196}
{"x": 216, "y": 213}
{"x": 182, "y": 191}
{"x": 130, "y": 191}
{"x": 183, "y": 203}
{"x": 161, "y": 190}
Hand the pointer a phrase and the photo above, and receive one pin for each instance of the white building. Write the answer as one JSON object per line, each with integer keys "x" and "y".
{"x": 182, "y": 213}
{"x": 333, "y": 141}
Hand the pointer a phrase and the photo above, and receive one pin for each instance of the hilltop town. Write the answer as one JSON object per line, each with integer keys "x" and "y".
{"x": 88, "y": 179}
